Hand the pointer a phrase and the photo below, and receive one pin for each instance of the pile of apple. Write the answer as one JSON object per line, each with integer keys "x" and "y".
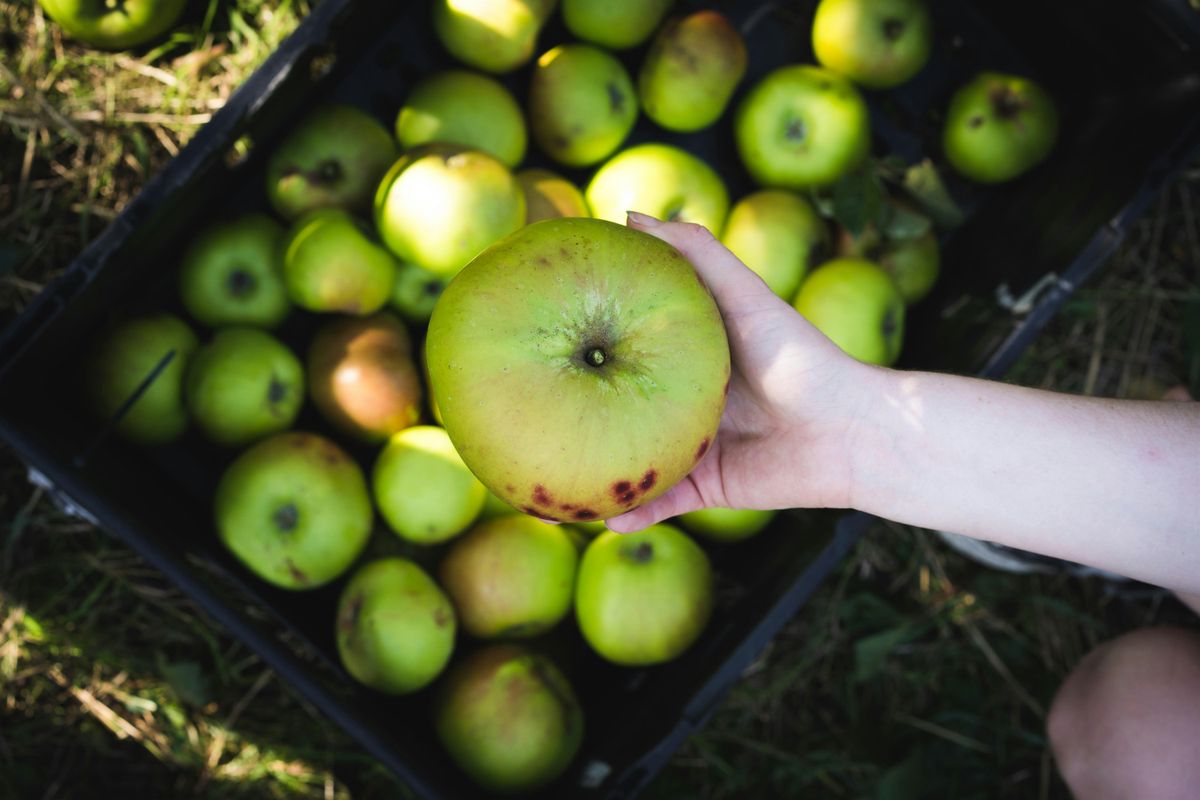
{"x": 368, "y": 228}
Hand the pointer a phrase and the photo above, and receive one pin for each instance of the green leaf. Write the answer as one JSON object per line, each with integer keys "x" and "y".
{"x": 871, "y": 652}
{"x": 926, "y": 187}
{"x": 857, "y": 200}
{"x": 187, "y": 680}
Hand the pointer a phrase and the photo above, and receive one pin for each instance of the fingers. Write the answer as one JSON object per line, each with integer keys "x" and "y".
{"x": 679, "y": 499}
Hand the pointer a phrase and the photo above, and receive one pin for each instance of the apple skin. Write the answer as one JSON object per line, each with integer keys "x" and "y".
{"x": 440, "y": 205}
{"x": 395, "y": 627}
{"x": 726, "y": 524}
{"x": 914, "y": 265}
{"x": 333, "y": 159}
{"x": 294, "y": 509}
{"x": 998, "y": 127}
{"x": 643, "y": 598}
{"x": 875, "y": 43}
{"x": 582, "y": 104}
{"x": 802, "y": 126}
{"x": 491, "y": 35}
{"x": 423, "y": 489}
{"x": 512, "y": 350}
{"x": 125, "y": 357}
{"x": 660, "y": 180}
{"x": 362, "y": 378}
{"x": 416, "y": 292}
{"x": 330, "y": 263}
{"x": 466, "y": 109}
{"x": 615, "y": 24}
{"x": 509, "y": 718}
{"x": 243, "y": 385}
{"x": 232, "y": 274}
{"x": 512, "y": 577}
{"x": 857, "y": 305}
{"x": 114, "y": 26}
{"x": 691, "y": 70}
{"x": 549, "y": 196}
{"x": 779, "y": 235}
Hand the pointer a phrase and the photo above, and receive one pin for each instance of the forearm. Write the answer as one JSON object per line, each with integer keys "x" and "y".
{"x": 1114, "y": 484}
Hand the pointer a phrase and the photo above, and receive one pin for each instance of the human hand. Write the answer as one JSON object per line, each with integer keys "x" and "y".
{"x": 785, "y": 437}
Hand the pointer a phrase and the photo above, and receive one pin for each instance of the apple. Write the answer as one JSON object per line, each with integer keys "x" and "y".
{"x": 124, "y": 359}
{"x": 580, "y": 367}
{"x": 858, "y": 306}
{"x": 332, "y": 159}
{"x": 440, "y": 205}
{"x": 691, "y": 70}
{"x": 362, "y": 377}
{"x": 294, "y": 509}
{"x": 779, "y": 235}
{"x": 660, "y": 180}
{"x": 243, "y": 385}
{"x": 467, "y": 109}
{"x": 913, "y": 264}
{"x": 643, "y": 598}
{"x": 582, "y": 104}
{"x": 875, "y": 43}
{"x": 510, "y": 577}
{"x": 726, "y": 524}
{"x": 548, "y": 196}
{"x": 232, "y": 274}
{"x": 114, "y": 24}
{"x": 509, "y": 718}
{"x": 331, "y": 263}
{"x": 492, "y": 35}
{"x": 615, "y": 24}
{"x": 424, "y": 490}
{"x": 494, "y": 507}
{"x": 395, "y": 627}
{"x": 801, "y": 127}
{"x": 999, "y": 126}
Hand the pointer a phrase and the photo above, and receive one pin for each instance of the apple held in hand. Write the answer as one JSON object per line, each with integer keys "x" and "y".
{"x": 801, "y": 127}
{"x": 726, "y": 524}
{"x": 331, "y": 263}
{"x": 643, "y": 598}
{"x": 660, "y": 180}
{"x": 232, "y": 274}
{"x": 580, "y": 367}
{"x": 875, "y": 43}
{"x": 395, "y": 627}
{"x": 779, "y": 235}
{"x": 509, "y": 718}
{"x": 114, "y": 24}
{"x": 548, "y": 196}
{"x": 467, "y": 109}
{"x": 998, "y": 127}
{"x": 615, "y": 24}
{"x": 294, "y": 509}
{"x": 858, "y": 306}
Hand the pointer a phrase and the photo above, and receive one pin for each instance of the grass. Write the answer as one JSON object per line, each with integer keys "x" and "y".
{"x": 912, "y": 672}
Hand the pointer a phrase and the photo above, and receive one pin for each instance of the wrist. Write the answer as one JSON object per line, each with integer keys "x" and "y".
{"x": 875, "y": 435}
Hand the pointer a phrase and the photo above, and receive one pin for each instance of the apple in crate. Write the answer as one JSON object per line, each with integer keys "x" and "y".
{"x": 858, "y": 305}
{"x": 548, "y": 195}
{"x": 615, "y": 24}
{"x": 779, "y": 235}
{"x": 331, "y": 263}
{"x": 467, "y": 109}
{"x": 875, "y": 43}
{"x": 492, "y": 35}
{"x": 726, "y": 524}
{"x": 232, "y": 273}
{"x": 663, "y": 181}
{"x": 999, "y": 126}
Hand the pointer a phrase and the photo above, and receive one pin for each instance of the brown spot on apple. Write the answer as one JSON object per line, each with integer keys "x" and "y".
{"x": 441, "y": 616}
{"x": 541, "y": 497}
{"x": 350, "y": 613}
{"x": 702, "y": 449}
{"x": 296, "y": 573}
{"x": 621, "y": 487}
{"x": 584, "y": 513}
{"x": 530, "y": 510}
{"x": 648, "y": 480}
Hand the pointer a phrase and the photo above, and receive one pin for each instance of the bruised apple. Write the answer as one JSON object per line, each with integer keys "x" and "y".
{"x": 580, "y": 367}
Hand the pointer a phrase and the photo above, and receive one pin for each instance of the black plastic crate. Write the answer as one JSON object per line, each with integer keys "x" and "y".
{"x": 1126, "y": 75}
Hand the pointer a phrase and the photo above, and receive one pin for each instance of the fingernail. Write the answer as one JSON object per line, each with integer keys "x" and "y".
{"x": 642, "y": 220}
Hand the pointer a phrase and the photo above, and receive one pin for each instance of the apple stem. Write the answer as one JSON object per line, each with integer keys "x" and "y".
{"x": 893, "y": 29}
{"x": 596, "y": 357}
{"x": 327, "y": 172}
{"x": 240, "y": 282}
{"x": 287, "y": 517}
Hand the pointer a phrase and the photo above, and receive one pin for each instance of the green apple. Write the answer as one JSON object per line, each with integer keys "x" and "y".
{"x": 333, "y": 159}
{"x": 913, "y": 264}
{"x": 243, "y": 385}
{"x": 114, "y": 24}
{"x": 232, "y": 274}
{"x": 510, "y": 577}
{"x": 395, "y": 627}
{"x": 492, "y": 35}
{"x": 580, "y": 367}
{"x": 999, "y": 126}
{"x": 424, "y": 490}
{"x": 362, "y": 377}
{"x": 125, "y": 358}
{"x": 802, "y": 126}
{"x": 294, "y": 509}
{"x": 582, "y": 104}
{"x": 777, "y": 234}
{"x": 691, "y": 70}
{"x": 615, "y": 24}
{"x": 660, "y": 180}
{"x": 467, "y": 109}
{"x": 440, "y": 205}
{"x": 331, "y": 263}
{"x": 494, "y": 507}
{"x": 858, "y": 306}
{"x": 548, "y": 196}
{"x": 875, "y": 43}
{"x": 509, "y": 718}
{"x": 416, "y": 291}
{"x": 643, "y": 598}
{"x": 726, "y": 524}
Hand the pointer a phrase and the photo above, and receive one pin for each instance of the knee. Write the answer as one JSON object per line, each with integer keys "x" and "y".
{"x": 1126, "y": 721}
